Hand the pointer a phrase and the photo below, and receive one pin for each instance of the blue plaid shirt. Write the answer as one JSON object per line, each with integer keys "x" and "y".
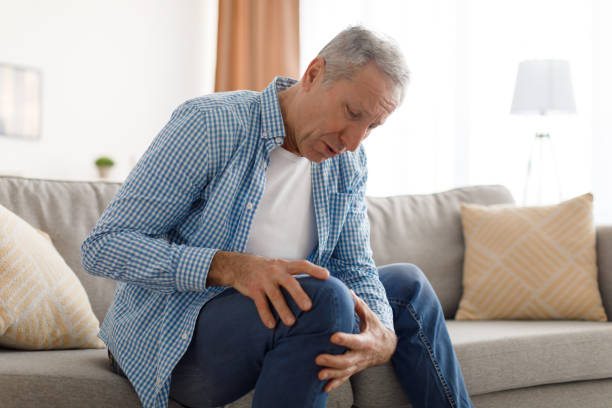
{"x": 194, "y": 192}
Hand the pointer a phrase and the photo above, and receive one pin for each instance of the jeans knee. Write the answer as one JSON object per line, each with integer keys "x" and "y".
{"x": 406, "y": 281}
{"x": 333, "y": 307}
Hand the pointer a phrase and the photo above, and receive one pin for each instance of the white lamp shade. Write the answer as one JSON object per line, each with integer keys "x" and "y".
{"x": 543, "y": 86}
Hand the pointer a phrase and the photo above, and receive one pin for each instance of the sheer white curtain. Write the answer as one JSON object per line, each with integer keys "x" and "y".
{"x": 454, "y": 127}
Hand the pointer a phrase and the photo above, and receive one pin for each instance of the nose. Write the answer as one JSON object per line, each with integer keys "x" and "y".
{"x": 352, "y": 137}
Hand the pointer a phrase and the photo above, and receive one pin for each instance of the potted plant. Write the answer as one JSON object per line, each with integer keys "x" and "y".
{"x": 104, "y": 165}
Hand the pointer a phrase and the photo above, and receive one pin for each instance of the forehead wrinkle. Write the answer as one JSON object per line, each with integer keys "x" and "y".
{"x": 359, "y": 105}
{"x": 387, "y": 108}
{"x": 377, "y": 96}
{"x": 372, "y": 102}
{"x": 387, "y": 104}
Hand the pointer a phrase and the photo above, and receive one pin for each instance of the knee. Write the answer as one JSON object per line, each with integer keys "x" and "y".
{"x": 333, "y": 307}
{"x": 406, "y": 281}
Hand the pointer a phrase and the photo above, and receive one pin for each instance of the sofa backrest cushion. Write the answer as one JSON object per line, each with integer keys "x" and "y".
{"x": 421, "y": 229}
{"x": 67, "y": 211}
{"x": 426, "y": 230}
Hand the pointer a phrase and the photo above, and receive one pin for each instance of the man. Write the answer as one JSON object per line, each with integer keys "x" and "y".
{"x": 240, "y": 241}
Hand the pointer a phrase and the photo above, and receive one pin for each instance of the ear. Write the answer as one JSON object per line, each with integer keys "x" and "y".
{"x": 314, "y": 73}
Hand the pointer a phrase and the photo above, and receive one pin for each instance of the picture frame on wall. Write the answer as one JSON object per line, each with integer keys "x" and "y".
{"x": 20, "y": 102}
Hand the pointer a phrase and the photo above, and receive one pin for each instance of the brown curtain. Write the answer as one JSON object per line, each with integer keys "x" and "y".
{"x": 257, "y": 40}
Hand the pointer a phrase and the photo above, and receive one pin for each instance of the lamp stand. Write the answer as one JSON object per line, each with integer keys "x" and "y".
{"x": 542, "y": 184}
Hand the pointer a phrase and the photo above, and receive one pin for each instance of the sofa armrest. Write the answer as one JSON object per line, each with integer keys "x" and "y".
{"x": 604, "y": 264}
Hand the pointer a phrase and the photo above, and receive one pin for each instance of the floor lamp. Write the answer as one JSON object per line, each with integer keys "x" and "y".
{"x": 543, "y": 87}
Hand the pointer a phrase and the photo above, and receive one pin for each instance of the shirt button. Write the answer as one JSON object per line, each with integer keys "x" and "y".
{"x": 249, "y": 205}
{"x": 264, "y": 134}
{"x": 279, "y": 140}
{"x": 264, "y": 165}
{"x": 158, "y": 381}
{"x": 185, "y": 336}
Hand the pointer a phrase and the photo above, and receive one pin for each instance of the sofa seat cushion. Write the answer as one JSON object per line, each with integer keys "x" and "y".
{"x": 505, "y": 355}
{"x": 63, "y": 378}
{"x": 591, "y": 394}
{"x": 83, "y": 378}
{"x": 501, "y": 355}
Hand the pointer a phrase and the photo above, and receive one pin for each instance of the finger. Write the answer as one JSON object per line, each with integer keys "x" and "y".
{"x": 363, "y": 311}
{"x": 280, "y": 305}
{"x": 263, "y": 309}
{"x": 338, "y": 361}
{"x": 303, "y": 266}
{"x": 297, "y": 292}
{"x": 329, "y": 374}
{"x": 350, "y": 341}
{"x": 361, "y": 307}
{"x": 335, "y": 383}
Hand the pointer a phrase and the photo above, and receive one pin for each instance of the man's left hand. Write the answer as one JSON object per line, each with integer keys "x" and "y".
{"x": 374, "y": 345}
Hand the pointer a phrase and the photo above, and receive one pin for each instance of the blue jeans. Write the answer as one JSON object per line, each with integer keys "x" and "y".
{"x": 232, "y": 352}
{"x": 424, "y": 360}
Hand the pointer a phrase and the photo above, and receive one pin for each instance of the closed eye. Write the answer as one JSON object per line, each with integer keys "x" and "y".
{"x": 352, "y": 114}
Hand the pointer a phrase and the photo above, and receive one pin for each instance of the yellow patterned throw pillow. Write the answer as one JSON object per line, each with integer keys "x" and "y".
{"x": 42, "y": 303}
{"x": 530, "y": 262}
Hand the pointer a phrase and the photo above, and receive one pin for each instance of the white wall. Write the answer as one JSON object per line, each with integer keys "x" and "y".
{"x": 113, "y": 71}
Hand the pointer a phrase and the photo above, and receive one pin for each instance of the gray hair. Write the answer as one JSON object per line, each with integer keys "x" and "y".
{"x": 355, "y": 47}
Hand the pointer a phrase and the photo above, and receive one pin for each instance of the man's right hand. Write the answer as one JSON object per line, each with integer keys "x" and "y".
{"x": 261, "y": 278}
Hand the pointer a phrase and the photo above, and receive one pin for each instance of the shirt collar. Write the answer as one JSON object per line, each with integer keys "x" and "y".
{"x": 271, "y": 117}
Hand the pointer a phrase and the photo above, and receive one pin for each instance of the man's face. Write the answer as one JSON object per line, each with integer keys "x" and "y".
{"x": 339, "y": 116}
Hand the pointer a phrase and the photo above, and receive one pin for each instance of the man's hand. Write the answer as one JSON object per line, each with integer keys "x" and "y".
{"x": 261, "y": 278}
{"x": 374, "y": 345}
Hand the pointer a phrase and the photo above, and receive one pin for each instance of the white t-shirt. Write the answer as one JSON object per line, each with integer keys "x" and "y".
{"x": 284, "y": 223}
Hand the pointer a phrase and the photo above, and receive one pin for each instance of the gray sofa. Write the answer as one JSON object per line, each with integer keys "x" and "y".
{"x": 505, "y": 363}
